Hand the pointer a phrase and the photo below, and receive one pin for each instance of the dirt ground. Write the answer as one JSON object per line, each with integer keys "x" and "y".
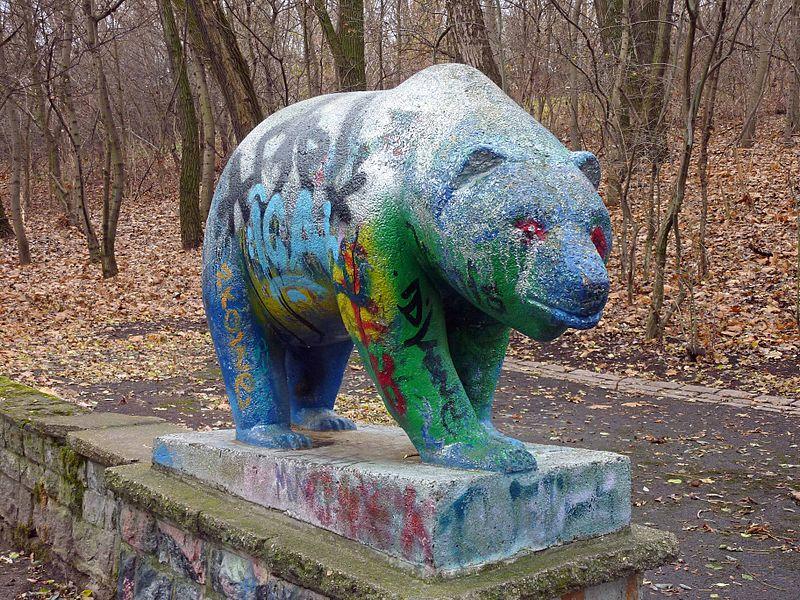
{"x": 24, "y": 576}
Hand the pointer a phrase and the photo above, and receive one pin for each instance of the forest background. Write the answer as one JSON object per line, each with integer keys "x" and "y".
{"x": 117, "y": 117}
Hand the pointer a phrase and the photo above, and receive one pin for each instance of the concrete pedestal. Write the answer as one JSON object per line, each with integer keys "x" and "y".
{"x": 369, "y": 486}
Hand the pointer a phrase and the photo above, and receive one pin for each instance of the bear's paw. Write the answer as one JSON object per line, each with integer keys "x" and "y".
{"x": 486, "y": 453}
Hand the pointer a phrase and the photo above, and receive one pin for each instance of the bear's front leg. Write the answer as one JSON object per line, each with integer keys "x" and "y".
{"x": 396, "y": 319}
{"x": 478, "y": 347}
{"x": 251, "y": 357}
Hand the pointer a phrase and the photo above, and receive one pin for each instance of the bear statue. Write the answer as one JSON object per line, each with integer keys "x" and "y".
{"x": 421, "y": 224}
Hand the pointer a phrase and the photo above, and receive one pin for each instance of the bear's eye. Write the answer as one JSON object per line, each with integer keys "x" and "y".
{"x": 599, "y": 241}
{"x": 480, "y": 161}
{"x": 531, "y": 230}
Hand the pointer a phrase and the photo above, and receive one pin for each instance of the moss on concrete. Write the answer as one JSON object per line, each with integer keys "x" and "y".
{"x": 32, "y": 410}
{"x": 116, "y": 446}
{"x": 73, "y": 482}
{"x": 340, "y": 568}
{"x": 23, "y": 405}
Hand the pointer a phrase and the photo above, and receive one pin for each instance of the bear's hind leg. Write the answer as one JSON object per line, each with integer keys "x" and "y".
{"x": 314, "y": 376}
{"x": 251, "y": 358}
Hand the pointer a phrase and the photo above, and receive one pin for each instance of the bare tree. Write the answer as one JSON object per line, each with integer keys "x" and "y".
{"x": 69, "y": 122}
{"x": 401, "y": 8}
{"x": 346, "y": 42}
{"x": 756, "y": 89}
{"x": 209, "y": 132}
{"x": 692, "y": 97}
{"x": 113, "y": 201}
{"x": 215, "y": 40}
{"x": 17, "y": 149}
{"x": 189, "y": 204}
{"x": 707, "y": 129}
{"x": 50, "y": 134}
{"x": 793, "y": 108}
{"x": 637, "y": 34}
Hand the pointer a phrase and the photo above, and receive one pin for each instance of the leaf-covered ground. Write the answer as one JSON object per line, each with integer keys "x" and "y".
{"x": 60, "y": 322}
{"x": 28, "y": 577}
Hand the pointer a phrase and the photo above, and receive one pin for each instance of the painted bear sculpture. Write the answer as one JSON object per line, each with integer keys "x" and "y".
{"x": 419, "y": 224}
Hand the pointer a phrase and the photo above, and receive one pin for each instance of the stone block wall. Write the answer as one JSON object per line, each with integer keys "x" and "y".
{"x": 160, "y": 560}
{"x": 53, "y": 497}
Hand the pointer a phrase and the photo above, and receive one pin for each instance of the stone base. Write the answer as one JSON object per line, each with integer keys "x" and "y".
{"x": 185, "y": 536}
{"x": 369, "y": 486}
{"x": 139, "y": 533}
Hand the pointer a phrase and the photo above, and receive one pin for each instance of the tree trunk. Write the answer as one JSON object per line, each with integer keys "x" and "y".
{"x": 702, "y": 169}
{"x": 381, "y": 66}
{"x": 189, "y": 205}
{"x": 209, "y": 134}
{"x": 618, "y": 125}
{"x": 214, "y": 38}
{"x": 119, "y": 104}
{"x": 17, "y": 149}
{"x": 472, "y": 39}
{"x": 69, "y": 121}
{"x": 400, "y": 8}
{"x": 26, "y": 163}
{"x": 346, "y": 42}
{"x": 764, "y": 51}
{"x": 574, "y": 74}
{"x": 112, "y": 207}
{"x": 493, "y": 19}
{"x": 793, "y": 106}
{"x": 313, "y": 84}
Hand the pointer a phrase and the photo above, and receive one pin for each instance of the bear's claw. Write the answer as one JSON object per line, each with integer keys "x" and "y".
{"x": 322, "y": 420}
{"x": 274, "y": 436}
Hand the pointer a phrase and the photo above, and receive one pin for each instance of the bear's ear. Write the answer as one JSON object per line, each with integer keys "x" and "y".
{"x": 589, "y": 166}
{"x": 479, "y": 161}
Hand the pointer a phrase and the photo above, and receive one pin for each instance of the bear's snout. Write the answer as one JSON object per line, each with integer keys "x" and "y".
{"x": 571, "y": 278}
{"x": 594, "y": 292}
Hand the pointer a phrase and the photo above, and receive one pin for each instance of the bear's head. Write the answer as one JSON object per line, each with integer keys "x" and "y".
{"x": 523, "y": 235}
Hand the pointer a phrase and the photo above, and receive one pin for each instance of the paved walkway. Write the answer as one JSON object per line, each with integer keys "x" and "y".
{"x": 669, "y": 389}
